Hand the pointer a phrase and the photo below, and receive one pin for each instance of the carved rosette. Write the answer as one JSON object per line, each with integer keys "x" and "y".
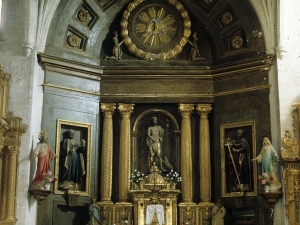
{"x": 186, "y": 152}
{"x": 107, "y": 149}
{"x": 226, "y": 18}
{"x": 84, "y": 15}
{"x": 158, "y": 29}
{"x": 73, "y": 40}
{"x": 205, "y": 168}
{"x": 124, "y": 160}
{"x": 237, "y": 42}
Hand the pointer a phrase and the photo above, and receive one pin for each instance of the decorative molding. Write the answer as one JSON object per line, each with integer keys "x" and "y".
{"x": 265, "y": 10}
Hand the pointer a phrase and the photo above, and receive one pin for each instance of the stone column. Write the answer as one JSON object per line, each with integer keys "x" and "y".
{"x": 124, "y": 157}
{"x": 107, "y": 153}
{"x": 11, "y": 184}
{"x": 186, "y": 153}
{"x": 204, "y": 152}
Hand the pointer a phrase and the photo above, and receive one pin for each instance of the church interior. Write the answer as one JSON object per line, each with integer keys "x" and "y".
{"x": 149, "y": 112}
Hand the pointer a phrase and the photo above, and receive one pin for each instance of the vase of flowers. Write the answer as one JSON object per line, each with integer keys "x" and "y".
{"x": 47, "y": 179}
{"x": 266, "y": 181}
{"x": 136, "y": 178}
{"x": 173, "y": 178}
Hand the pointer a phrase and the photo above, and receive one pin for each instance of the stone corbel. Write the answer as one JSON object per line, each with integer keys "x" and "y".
{"x": 72, "y": 197}
{"x": 271, "y": 199}
{"x": 40, "y": 194}
{"x": 280, "y": 52}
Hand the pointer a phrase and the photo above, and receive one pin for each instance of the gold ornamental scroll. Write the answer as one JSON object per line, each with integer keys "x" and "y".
{"x": 291, "y": 169}
{"x": 205, "y": 167}
{"x": 124, "y": 157}
{"x": 186, "y": 153}
{"x": 107, "y": 153}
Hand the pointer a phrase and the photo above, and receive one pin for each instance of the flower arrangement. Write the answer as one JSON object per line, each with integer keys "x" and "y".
{"x": 136, "y": 177}
{"x": 173, "y": 177}
{"x": 264, "y": 179}
{"x": 47, "y": 177}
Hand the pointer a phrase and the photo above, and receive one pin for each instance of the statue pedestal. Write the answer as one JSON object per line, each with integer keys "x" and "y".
{"x": 272, "y": 198}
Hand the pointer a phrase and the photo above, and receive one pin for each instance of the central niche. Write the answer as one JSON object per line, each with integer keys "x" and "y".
{"x": 168, "y": 131}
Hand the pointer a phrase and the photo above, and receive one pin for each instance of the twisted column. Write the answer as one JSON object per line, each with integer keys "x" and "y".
{"x": 186, "y": 152}
{"x": 107, "y": 153}
{"x": 204, "y": 152}
{"x": 11, "y": 183}
{"x": 124, "y": 160}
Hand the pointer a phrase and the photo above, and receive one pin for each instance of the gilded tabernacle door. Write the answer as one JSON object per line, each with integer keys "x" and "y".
{"x": 238, "y": 147}
{"x": 155, "y": 139}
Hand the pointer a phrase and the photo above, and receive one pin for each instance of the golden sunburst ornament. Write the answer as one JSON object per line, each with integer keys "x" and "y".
{"x": 155, "y": 29}
{"x": 155, "y": 26}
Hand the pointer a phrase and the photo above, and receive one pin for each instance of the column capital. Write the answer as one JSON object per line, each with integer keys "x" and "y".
{"x": 13, "y": 150}
{"x": 108, "y": 109}
{"x": 125, "y": 109}
{"x": 203, "y": 109}
{"x": 185, "y": 109}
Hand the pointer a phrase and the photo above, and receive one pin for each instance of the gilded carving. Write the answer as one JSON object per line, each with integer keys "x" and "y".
{"x": 159, "y": 30}
{"x": 237, "y": 42}
{"x": 204, "y": 143}
{"x": 107, "y": 149}
{"x": 84, "y": 15}
{"x": 73, "y": 40}
{"x": 226, "y": 18}
{"x": 186, "y": 155}
{"x": 291, "y": 172}
{"x": 124, "y": 157}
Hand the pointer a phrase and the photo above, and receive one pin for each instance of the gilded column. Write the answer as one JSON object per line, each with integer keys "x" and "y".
{"x": 186, "y": 152}
{"x": 124, "y": 160}
{"x": 107, "y": 153}
{"x": 4, "y": 184}
{"x": 204, "y": 152}
{"x": 11, "y": 184}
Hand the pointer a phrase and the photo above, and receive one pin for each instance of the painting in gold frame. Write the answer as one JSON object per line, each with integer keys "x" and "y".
{"x": 82, "y": 131}
{"x": 235, "y": 176}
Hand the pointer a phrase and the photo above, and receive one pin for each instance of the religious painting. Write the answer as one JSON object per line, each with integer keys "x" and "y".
{"x": 238, "y": 147}
{"x": 73, "y": 148}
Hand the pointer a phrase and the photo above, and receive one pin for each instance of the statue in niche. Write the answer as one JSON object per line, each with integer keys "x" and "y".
{"x": 239, "y": 162}
{"x": 45, "y": 155}
{"x": 94, "y": 212}
{"x": 268, "y": 157}
{"x": 117, "y": 51}
{"x": 195, "y": 53}
{"x": 72, "y": 167}
{"x": 155, "y": 135}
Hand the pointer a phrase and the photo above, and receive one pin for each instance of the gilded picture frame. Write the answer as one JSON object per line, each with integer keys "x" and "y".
{"x": 234, "y": 176}
{"x": 82, "y": 131}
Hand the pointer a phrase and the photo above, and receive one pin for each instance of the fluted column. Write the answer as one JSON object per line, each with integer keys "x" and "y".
{"x": 186, "y": 152}
{"x": 11, "y": 183}
{"x": 124, "y": 160}
{"x": 107, "y": 153}
{"x": 204, "y": 152}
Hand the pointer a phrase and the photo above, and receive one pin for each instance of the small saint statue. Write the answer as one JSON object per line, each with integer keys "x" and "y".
{"x": 117, "y": 51}
{"x": 94, "y": 211}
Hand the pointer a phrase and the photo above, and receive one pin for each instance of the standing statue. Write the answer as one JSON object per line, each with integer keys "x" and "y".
{"x": 268, "y": 157}
{"x": 45, "y": 156}
{"x": 71, "y": 159}
{"x": 94, "y": 211}
{"x": 154, "y": 142}
{"x": 195, "y": 53}
{"x": 239, "y": 163}
{"x": 218, "y": 213}
{"x": 117, "y": 51}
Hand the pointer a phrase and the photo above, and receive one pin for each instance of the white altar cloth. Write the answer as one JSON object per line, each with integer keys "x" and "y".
{"x": 159, "y": 212}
